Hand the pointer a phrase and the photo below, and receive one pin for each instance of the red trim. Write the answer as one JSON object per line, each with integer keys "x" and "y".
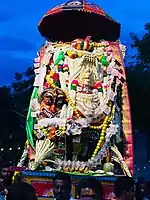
{"x": 54, "y": 11}
{"x": 51, "y": 12}
{"x": 98, "y": 11}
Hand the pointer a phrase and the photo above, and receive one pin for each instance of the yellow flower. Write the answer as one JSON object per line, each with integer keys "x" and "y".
{"x": 69, "y": 52}
{"x": 100, "y": 57}
{"x": 80, "y": 54}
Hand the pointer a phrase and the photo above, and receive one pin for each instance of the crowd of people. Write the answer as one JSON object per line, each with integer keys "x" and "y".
{"x": 125, "y": 188}
{"x": 91, "y": 189}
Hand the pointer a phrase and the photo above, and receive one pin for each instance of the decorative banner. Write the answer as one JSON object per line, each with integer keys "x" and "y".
{"x": 126, "y": 121}
{"x": 43, "y": 188}
{"x": 30, "y": 119}
{"x": 108, "y": 191}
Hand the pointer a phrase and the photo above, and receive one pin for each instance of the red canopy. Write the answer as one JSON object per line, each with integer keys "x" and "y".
{"x": 78, "y": 19}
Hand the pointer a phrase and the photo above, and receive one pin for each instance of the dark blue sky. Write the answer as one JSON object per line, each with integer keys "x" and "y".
{"x": 20, "y": 40}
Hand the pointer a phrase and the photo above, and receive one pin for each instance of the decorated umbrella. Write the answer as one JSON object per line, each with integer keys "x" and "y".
{"x": 78, "y": 19}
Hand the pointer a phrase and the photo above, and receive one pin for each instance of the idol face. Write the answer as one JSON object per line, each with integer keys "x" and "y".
{"x": 51, "y": 102}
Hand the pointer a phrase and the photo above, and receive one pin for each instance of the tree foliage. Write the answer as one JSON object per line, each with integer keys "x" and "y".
{"x": 10, "y": 137}
{"x": 138, "y": 77}
{"x": 22, "y": 88}
{"x": 14, "y": 104}
{"x": 142, "y": 46}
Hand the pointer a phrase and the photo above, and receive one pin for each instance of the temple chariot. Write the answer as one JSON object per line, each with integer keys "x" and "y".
{"x": 79, "y": 115}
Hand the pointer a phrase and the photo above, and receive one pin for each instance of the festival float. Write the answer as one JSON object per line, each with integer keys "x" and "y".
{"x": 79, "y": 115}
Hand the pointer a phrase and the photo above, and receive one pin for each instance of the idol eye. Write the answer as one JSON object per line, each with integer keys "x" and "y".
{"x": 59, "y": 102}
{"x": 48, "y": 102}
{"x": 48, "y": 95}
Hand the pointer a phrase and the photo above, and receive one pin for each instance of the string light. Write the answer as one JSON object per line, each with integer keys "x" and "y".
{"x": 10, "y": 149}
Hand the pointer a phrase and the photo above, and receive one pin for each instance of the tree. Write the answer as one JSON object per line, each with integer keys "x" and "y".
{"x": 22, "y": 88}
{"x": 138, "y": 77}
{"x": 142, "y": 46}
{"x": 10, "y": 139}
{"x": 14, "y": 103}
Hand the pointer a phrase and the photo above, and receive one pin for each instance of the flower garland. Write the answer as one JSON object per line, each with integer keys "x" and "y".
{"x": 102, "y": 135}
{"x": 72, "y": 104}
